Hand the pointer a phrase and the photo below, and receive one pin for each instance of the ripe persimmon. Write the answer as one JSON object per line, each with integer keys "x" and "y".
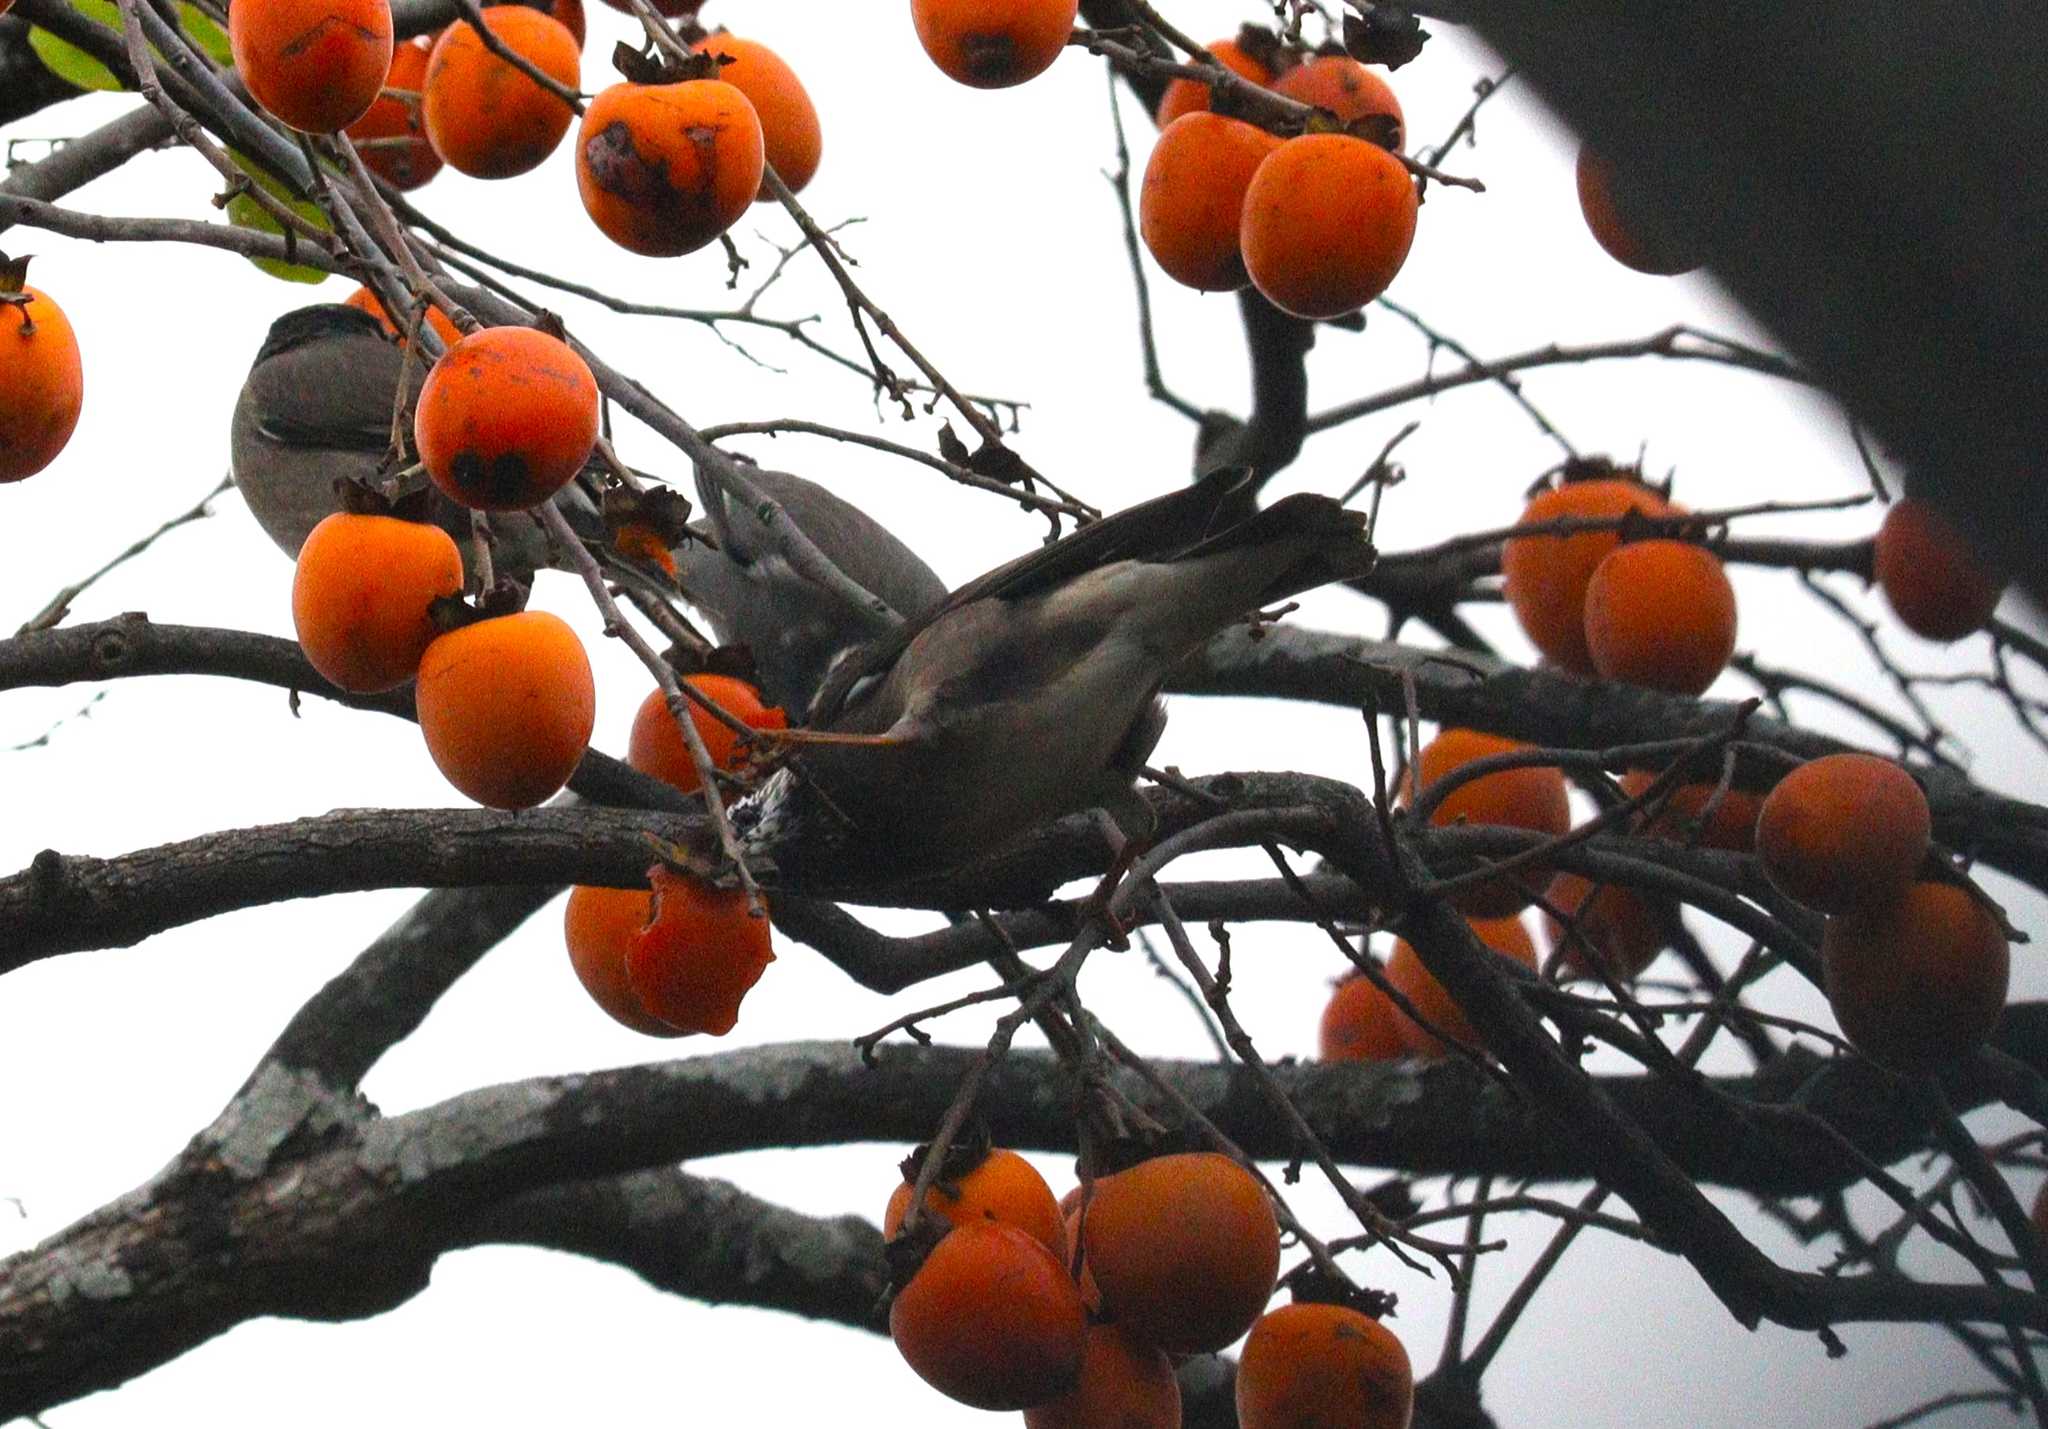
{"x": 363, "y": 595}
{"x": 487, "y": 118}
{"x": 665, "y": 168}
{"x": 993, "y": 44}
{"x": 791, "y": 140}
{"x": 656, "y": 745}
{"x": 1843, "y": 832}
{"x": 1529, "y": 798}
{"x": 1003, "y": 1186}
{"x": 391, "y": 133}
{"x": 1599, "y": 203}
{"x": 598, "y": 925}
{"x": 506, "y": 419}
{"x": 1307, "y": 1365}
{"x": 991, "y": 1319}
{"x": 316, "y": 64}
{"x": 439, "y": 321}
{"x": 1346, "y": 88}
{"x": 1360, "y": 1024}
{"x": 1661, "y": 614}
{"x": 1192, "y": 203}
{"x": 507, "y": 705}
{"x": 1918, "y": 981}
{"x": 1545, "y": 577}
{"x": 1731, "y": 825}
{"x": 1125, "y": 1384}
{"x": 42, "y": 379}
{"x": 1615, "y": 928}
{"x": 1327, "y": 224}
{"x": 1184, "y": 1248}
{"x": 1190, "y": 96}
{"x": 1413, "y": 981}
{"x": 569, "y": 12}
{"x": 1929, "y": 576}
{"x": 700, "y": 952}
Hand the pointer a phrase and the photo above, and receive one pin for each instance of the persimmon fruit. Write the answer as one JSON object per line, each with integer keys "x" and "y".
{"x": 1545, "y": 577}
{"x": 440, "y": 322}
{"x": 1184, "y": 1248}
{"x": 42, "y": 384}
{"x": 1311, "y": 1366}
{"x": 507, "y": 705}
{"x": 1919, "y": 981}
{"x": 1191, "y": 96}
{"x": 1505, "y": 936}
{"x": 700, "y": 952}
{"x": 1530, "y": 798}
{"x": 991, "y": 1319}
{"x": 506, "y": 418}
{"x": 484, "y": 116}
{"x": 1624, "y": 243}
{"x": 1843, "y": 832}
{"x": 598, "y": 925}
{"x": 656, "y": 746}
{"x": 1612, "y": 927}
{"x": 1731, "y": 825}
{"x": 791, "y": 140}
{"x": 1360, "y": 1024}
{"x": 993, "y": 44}
{"x": 1328, "y": 220}
{"x": 1928, "y": 575}
{"x": 316, "y": 64}
{"x": 1192, "y": 202}
{"x": 1661, "y": 614}
{"x": 1346, "y": 88}
{"x": 1004, "y": 1187}
{"x": 1125, "y": 1384}
{"x": 392, "y": 133}
{"x": 665, "y": 168}
{"x": 363, "y": 594}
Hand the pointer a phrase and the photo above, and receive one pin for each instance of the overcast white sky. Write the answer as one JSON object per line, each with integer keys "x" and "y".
{"x": 989, "y": 233}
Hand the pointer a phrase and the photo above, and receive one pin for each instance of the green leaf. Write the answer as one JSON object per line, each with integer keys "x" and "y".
{"x": 245, "y": 212}
{"x": 204, "y": 33}
{"x": 69, "y": 63}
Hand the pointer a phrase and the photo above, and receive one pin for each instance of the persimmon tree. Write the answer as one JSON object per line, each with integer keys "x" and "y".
{"x": 1662, "y": 1070}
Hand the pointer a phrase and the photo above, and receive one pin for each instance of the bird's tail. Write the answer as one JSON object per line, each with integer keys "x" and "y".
{"x": 1303, "y": 541}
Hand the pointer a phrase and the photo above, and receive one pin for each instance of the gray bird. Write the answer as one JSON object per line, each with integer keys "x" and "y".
{"x": 316, "y": 408}
{"x": 796, "y": 629}
{"x": 1033, "y": 691}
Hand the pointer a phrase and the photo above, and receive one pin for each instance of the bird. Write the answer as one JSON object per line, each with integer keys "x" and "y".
{"x": 750, "y": 594}
{"x": 1030, "y": 693}
{"x": 316, "y": 410}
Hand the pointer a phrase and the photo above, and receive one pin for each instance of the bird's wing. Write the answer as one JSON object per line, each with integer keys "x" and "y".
{"x": 1152, "y": 530}
{"x": 303, "y": 405}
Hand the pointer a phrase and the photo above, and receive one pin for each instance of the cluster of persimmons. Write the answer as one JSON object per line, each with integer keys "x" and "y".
{"x": 1914, "y": 958}
{"x": 1072, "y": 1310}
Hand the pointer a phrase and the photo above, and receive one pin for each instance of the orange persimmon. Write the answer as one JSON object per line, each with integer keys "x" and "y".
{"x": 1184, "y": 1248}
{"x": 391, "y": 133}
{"x": 700, "y": 952}
{"x": 1307, "y": 1365}
{"x": 506, "y": 706}
{"x": 483, "y": 115}
{"x": 1328, "y": 220}
{"x": 656, "y": 745}
{"x": 1614, "y": 928}
{"x": 1506, "y": 936}
{"x": 1360, "y": 1024}
{"x": 1545, "y": 577}
{"x": 316, "y": 64}
{"x": 1190, "y": 96}
{"x": 506, "y": 419}
{"x": 1192, "y": 202}
{"x": 1661, "y": 614}
{"x": 1125, "y": 1384}
{"x": 439, "y": 321}
{"x": 598, "y": 925}
{"x": 43, "y": 380}
{"x": 1843, "y": 832}
{"x": 1599, "y": 203}
{"x": 363, "y": 594}
{"x": 665, "y": 168}
{"x": 1002, "y": 1187}
{"x": 1919, "y": 981}
{"x": 1929, "y": 576}
{"x": 791, "y": 140}
{"x": 1732, "y": 825}
{"x": 993, "y": 44}
{"x": 991, "y": 1319}
{"x": 1528, "y": 798}
{"x": 1346, "y": 88}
